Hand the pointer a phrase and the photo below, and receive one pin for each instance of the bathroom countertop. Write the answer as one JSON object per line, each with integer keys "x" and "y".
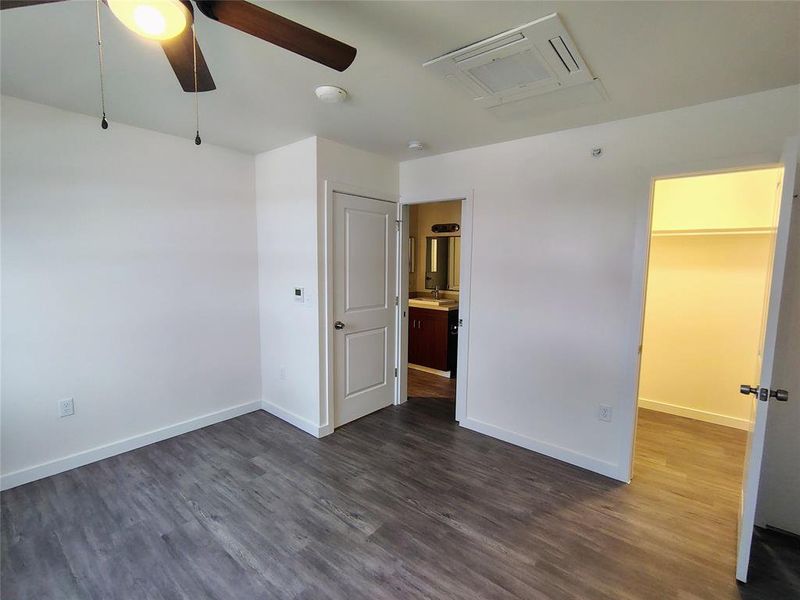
{"x": 419, "y": 303}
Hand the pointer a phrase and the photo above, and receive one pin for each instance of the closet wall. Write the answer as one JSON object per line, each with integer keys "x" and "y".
{"x": 707, "y": 285}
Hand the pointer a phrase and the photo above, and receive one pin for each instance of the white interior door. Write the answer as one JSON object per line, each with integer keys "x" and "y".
{"x": 755, "y": 438}
{"x": 779, "y": 490}
{"x": 364, "y": 289}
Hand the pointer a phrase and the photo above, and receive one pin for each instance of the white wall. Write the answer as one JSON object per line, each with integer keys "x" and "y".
{"x": 286, "y": 192}
{"x": 558, "y": 257}
{"x": 291, "y": 184}
{"x": 129, "y": 282}
{"x": 371, "y": 173}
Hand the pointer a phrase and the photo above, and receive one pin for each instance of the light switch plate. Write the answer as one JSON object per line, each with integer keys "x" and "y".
{"x": 299, "y": 294}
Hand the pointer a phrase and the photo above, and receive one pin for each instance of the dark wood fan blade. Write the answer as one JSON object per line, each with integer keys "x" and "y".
{"x": 179, "y": 55}
{"x": 4, "y": 4}
{"x": 278, "y": 30}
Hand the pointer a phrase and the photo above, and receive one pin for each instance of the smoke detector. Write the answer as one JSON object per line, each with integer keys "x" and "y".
{"x": 529, "y": 60}
{"x": 330, "y": 94}
{"x": 415, "y": 145}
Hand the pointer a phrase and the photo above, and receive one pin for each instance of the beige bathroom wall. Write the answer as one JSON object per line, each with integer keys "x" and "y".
{"x": 422, "y": 217}
{"x": 412, "y": 233}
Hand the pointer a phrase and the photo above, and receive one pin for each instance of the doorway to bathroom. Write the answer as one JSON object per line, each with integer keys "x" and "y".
{"x": 432, "y": 304}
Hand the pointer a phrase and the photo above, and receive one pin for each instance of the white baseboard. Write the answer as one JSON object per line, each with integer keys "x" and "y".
{"x": 296, "y": 420}
{"x": 569, "y": 456}
{"x": 80, "y": 459}
{"x": 694, "y": 413}
{"x": 429, "y": 370}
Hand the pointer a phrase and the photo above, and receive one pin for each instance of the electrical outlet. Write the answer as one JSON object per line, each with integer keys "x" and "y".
{"x": 283, "y": 373}
{"x": 604, "y": 414}
{"x": 66, "y": 407}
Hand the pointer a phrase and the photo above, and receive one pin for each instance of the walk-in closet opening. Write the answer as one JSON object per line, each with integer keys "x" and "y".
{"x": 710, "y": 257}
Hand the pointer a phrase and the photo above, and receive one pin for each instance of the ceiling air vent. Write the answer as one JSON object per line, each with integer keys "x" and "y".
{"x": 529, "y": 60}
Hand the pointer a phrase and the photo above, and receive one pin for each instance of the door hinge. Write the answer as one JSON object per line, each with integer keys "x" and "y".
{"x": 395, "y": 371}
{"x": 397, "y": 300}
{"x": 397, "y": 224}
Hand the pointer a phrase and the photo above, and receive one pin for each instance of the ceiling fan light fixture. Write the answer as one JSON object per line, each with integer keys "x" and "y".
{"x": 152, "y": 19}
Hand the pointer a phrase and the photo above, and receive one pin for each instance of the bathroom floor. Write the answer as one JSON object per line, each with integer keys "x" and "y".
{"x": 428, "y": 385}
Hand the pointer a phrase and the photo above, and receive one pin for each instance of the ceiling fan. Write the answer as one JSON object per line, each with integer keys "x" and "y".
{"x": 170, "y": 23}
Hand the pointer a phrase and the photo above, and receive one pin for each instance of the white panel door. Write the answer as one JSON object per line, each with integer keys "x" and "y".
{"x": 364, "y": 289}
{"x": 779, "y": 492}
{"x": 755, "y": 437}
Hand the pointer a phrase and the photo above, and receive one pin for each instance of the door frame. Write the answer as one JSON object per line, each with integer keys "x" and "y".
{"x": 467, "y": 198}
{"x": 639, "y": 289}
{"x": 325, "y": 258}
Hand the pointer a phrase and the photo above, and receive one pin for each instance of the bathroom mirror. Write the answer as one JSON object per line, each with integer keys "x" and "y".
{"x": 442, "y": 262}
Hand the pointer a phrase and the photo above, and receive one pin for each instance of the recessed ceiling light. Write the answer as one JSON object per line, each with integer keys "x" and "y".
{"x": 415, "y": 145}
{"x": 331, "y": 94}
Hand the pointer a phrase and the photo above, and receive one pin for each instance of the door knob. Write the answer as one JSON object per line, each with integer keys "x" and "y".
{"x": 338, "y": 325}
{"x": 779, "y": 395}
{"x": 760, "y": 393}
{"x": 746, "y": 389}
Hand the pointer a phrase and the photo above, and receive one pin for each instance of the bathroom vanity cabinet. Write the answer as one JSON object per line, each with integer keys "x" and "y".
{"x": 433, "y": 338}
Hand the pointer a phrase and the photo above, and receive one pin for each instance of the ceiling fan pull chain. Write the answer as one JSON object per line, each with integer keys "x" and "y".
{"x": 197, "y": 139}
{"x": 103, "y": 121}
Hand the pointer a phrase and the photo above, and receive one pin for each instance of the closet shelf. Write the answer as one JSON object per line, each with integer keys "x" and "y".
{"x": 721, "y": 231}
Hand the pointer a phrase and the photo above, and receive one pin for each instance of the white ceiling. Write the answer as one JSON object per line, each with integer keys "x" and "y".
{"x": 650, "y": 56}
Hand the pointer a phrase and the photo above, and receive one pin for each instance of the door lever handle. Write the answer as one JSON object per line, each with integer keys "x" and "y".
{"x": 763, "y": 394}
{"x": 779, "y": 395}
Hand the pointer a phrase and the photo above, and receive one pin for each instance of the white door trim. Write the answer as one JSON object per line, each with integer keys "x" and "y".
{"x": 325, "y": 271}
{"x": 401, "y": 351}
{"x": 467, "y": 199}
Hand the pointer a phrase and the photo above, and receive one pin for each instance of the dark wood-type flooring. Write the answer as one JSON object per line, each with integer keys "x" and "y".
{"x": 400, "y": 504}
{"x": 427, "y": 385}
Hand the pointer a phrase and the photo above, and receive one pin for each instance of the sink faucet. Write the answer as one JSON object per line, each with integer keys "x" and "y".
{"x": 436, "y": 292}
